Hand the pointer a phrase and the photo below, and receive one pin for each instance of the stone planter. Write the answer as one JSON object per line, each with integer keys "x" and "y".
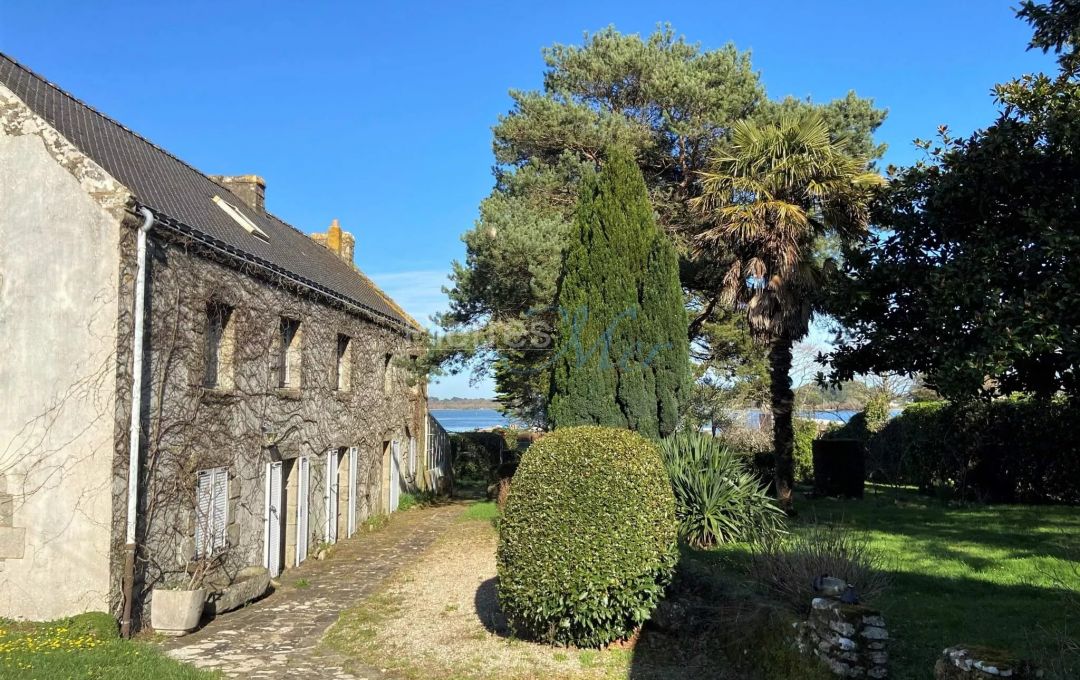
{"x": 850, "y": 638}
{"x": 176, "y": 612}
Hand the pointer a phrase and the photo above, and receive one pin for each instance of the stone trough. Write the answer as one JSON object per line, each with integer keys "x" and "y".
{"x": 250, "y": 584}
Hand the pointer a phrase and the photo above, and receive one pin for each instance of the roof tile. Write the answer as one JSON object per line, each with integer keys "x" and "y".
{"x": 168, "y": 185}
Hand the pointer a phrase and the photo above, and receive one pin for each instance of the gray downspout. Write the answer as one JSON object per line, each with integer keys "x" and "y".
{"x": 135, "y": 428}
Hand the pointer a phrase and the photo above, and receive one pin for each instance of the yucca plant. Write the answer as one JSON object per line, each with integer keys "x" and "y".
{"x": 717, "y": 499}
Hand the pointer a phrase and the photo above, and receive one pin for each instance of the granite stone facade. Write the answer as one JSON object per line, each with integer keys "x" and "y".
{"x": 220, "y": 295}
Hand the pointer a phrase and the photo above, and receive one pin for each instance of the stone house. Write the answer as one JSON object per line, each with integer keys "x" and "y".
{"x": 275, "y": 408}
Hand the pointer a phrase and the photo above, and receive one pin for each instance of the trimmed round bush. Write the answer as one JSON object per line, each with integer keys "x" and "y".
{"x": 588, "y": 540}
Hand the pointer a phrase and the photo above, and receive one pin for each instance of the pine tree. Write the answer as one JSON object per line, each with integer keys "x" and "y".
{"x": 622, "y": 354}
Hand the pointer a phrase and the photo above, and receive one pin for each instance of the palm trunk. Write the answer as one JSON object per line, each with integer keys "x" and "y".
{"x": 783, "y": 406}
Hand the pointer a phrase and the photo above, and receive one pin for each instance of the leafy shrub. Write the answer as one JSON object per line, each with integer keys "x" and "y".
{"x": 757, "y": 446}
{"x": 419, "y": 499}
{"x": 588, "y": 537}
{"x": 805, "y": 432}
{"x": 477, "y": 455}
{"x": 787, "y": 569}
{"x": 717, "y": 499}
{"x": 877, "y": 411}
{"x": 854, "y": 428}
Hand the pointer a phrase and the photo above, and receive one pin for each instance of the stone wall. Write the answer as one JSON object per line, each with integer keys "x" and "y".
{"x": 235, "y": 425}
{"x": 67, "y": 272}
{"x": 850, "y": 638}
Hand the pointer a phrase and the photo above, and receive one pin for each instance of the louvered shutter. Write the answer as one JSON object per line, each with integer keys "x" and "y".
{"x": 331, "y": 496}
{"x": 211, "y": 511}
{"x": 203, "y": 504}
{"x": 220, "y": 509}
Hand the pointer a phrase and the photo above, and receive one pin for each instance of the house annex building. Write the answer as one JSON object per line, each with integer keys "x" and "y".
{"x": 189, "y": 383}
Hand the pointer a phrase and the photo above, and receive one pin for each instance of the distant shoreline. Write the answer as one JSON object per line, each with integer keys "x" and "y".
{"x": 461, "y": 404}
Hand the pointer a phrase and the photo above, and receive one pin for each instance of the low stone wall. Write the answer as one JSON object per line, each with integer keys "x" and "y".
{"x": 849, "y": 638}
{"x": 964, "y": 662}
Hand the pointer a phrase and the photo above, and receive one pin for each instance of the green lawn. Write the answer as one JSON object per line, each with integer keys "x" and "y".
{"x": 486, "y": 511}
{"x": 989, "y": 575}
{"x": 85, "y": 646}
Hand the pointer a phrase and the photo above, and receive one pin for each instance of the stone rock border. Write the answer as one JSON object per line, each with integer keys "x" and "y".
{"x": 850, "y": 638}
{"x": 969, "y": 662}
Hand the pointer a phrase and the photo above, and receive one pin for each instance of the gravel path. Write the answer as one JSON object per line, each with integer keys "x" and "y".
{"x": 279, "y": 636}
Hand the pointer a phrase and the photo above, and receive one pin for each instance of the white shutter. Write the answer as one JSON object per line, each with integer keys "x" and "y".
{"x": 203, "y": 489}
{"x": 221, "y": 509}
{"x": 353, "y": 452}
{"x": 302, "y": 511}
{"x": 331, "y": 496}
{"x": 272, "y": 536}
{"x": 211, "y": 511}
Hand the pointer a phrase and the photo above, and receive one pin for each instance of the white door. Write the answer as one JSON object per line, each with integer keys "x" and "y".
{"x": 351, "y": 521}
{"x": 272, "y": 533}
{"x": 331, "y": 496}
{"x": 395, "y": 475}
{"x": 302, "y": 485}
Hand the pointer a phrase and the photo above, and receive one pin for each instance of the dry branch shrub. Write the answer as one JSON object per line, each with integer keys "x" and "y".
{"x": 787, "y": 569}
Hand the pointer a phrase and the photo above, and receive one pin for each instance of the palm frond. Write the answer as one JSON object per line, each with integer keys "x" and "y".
{"x": 774, "y": 192}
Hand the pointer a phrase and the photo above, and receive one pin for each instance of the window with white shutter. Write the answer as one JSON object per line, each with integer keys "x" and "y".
{"x": 211, "y": 511}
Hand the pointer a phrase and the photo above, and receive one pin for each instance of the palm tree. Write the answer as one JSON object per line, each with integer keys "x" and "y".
{"x": 777, "y": 193}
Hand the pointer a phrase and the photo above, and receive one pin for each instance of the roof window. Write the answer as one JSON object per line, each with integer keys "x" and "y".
{"x": 241, "y": 219}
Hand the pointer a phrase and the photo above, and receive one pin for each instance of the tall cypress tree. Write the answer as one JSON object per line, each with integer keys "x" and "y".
{"x": 622, "y": 355}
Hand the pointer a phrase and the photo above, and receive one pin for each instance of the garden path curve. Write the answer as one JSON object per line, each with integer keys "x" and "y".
{"x": 279, "y": 636}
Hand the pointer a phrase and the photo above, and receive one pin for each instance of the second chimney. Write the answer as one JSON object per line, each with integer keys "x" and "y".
{"x": 338, "y": 241}
{"x": 251, "y": 189}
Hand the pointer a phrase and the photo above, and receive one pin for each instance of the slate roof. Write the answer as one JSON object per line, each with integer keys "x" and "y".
{"x": 180, "y": 194}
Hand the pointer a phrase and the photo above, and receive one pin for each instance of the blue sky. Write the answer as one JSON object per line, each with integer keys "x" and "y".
{"x": 379, "y": 114}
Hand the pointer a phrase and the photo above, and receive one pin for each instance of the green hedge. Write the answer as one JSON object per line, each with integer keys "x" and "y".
{"x": 1011, "y": 450}
{"x": 588, "y": 537}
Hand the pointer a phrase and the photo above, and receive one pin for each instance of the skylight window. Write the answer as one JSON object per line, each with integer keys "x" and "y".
{"x": 241, "y": 219}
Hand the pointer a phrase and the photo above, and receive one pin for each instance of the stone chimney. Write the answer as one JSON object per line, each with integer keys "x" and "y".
{"x": 337, "y": 240}
{"x": 251, "y": 189}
